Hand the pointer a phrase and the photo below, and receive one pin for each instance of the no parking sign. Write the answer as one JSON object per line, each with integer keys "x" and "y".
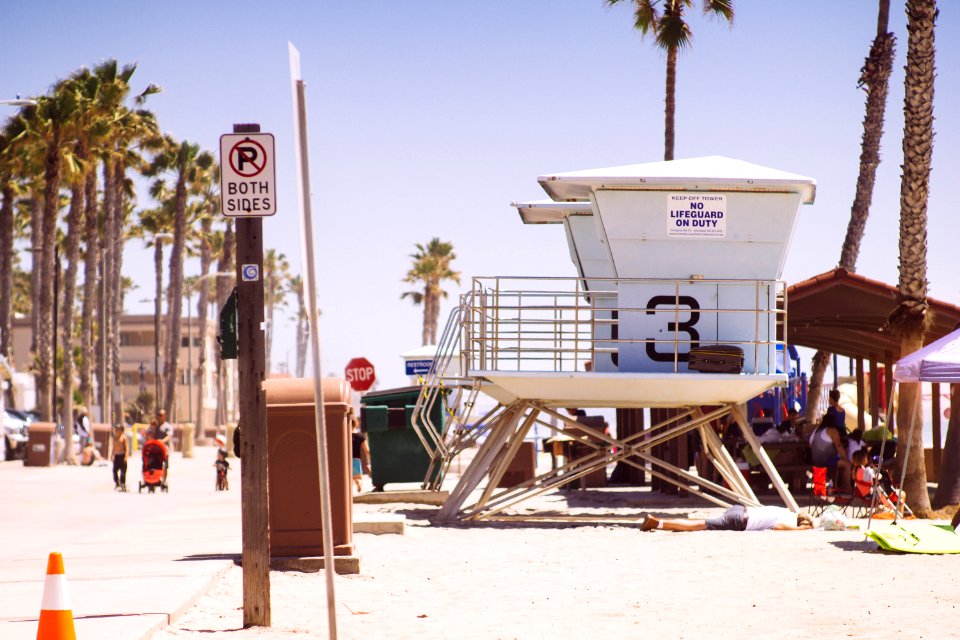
{"x": 247, "y": 175}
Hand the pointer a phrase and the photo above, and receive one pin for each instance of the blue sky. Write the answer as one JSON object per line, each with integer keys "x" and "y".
{"x": 428, "y": 118}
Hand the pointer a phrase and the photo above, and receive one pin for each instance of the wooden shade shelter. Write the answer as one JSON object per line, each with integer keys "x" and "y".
{"x": 846, "y": 313}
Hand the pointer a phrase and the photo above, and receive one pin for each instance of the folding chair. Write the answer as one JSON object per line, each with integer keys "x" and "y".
{"x": 822, "y": 494}
{"x": 862, "y": 498}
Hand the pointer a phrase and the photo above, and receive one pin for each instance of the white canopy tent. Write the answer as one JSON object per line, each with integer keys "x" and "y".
{"x": 937, "y": 362}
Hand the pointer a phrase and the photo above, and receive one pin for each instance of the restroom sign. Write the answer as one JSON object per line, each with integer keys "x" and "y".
{"x": 696, "y": 215}
{"x": 247, "y": 175}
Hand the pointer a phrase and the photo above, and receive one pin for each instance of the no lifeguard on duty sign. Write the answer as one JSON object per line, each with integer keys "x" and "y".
{"x": 247, "y": 175}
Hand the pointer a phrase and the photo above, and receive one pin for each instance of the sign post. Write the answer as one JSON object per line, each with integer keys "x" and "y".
{"x": 360, "y": 374}
{"x": 246, "y": 162}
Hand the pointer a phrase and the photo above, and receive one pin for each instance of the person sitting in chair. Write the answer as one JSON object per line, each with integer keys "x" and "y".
{"x": 827, "y": 450}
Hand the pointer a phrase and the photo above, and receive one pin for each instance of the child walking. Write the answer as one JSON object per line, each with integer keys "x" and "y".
{"x": 222, "y": 467}
{"x": 120, "y": 454}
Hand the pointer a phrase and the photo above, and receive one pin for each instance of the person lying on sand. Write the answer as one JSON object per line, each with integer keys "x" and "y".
{"x": 737, "y": 518}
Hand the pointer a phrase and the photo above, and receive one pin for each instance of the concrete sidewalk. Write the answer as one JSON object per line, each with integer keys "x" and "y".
{"x": 134, "y": 562}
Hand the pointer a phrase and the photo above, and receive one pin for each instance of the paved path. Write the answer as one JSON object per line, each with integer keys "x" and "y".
{"x": 134, "y": 562}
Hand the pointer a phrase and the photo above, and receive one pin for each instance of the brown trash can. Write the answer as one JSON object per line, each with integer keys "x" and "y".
{"x": 101, "y": 438}
{"x": 40, "y": 447}
{"x": 295, "y": 520}
{"x": 523, "y": 467}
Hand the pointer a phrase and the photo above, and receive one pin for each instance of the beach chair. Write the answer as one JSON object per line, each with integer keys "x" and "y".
{"x": 822, "y": 494}
{"x": 862, "y": 498}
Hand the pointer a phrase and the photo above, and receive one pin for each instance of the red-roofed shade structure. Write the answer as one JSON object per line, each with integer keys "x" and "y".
{"x": 846, "y": 313}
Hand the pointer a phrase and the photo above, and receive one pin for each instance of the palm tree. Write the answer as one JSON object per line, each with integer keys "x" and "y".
{"x": 276, "y": 277}
{"x": 50, "y": 123}
{"x": 9, "y": 190}
{"x": 129, "y": 130}
{"x": 90, "y": 128}
{"x": 911, "y": 317}
{"x": 431, "y": 267}
{"x": 187, "y": 163}
{"x": 671, "y": 33}
{"x": 875, "y": 78}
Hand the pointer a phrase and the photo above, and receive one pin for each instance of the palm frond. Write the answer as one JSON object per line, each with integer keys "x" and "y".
{"x": 720, "y": 8}
{"x": 673, "y": 32}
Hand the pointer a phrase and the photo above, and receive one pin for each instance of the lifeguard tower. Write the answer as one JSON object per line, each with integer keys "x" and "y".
{"x": 671, "y": 256}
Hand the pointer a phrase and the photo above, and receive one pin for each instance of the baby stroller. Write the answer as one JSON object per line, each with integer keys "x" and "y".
{"x": 154, "y": 460}
{"x": 893, "y": 493}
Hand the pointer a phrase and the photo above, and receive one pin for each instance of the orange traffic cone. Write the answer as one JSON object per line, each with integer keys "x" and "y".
{"x": 56, "y": 615}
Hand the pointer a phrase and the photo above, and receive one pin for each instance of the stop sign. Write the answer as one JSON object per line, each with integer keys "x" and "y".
{"x": 359, "y": 373}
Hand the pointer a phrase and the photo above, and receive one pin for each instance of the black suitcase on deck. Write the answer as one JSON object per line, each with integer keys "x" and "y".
{"x": 716, "y": 358}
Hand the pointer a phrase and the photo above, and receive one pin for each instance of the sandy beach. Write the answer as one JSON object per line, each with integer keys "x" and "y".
{"x": 560, "y": 580}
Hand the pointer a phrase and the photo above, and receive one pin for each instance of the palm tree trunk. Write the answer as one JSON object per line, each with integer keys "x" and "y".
{"x": 175, "y": 292}
{"x": 671, "y": 104}
{"x": 45, "y": 355}
{"x": 157, "y": 326}
{"x": 203, "y": 306}
{"x": 6, "y": 264}
{"x": 911, "y": 315}
{"x": 435, "y": 312}
{"x": 117, "y": 294}
{"x": 74, "y": 231}
{"x": 302, "y": 332}
{"x": 104, "y": 311}
{"x": 427, "y": 301}
{"x": 225, "y": 263}
{"x": 90, "y": 301}
{"x": 948, "y": 489}
{"x": 269, "y": 297}
{"x": 36, "y": 241}
{"x": 815, "y": 387}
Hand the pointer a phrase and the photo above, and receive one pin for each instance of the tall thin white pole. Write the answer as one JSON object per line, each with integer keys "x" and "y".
{"x": 310, "y": 294}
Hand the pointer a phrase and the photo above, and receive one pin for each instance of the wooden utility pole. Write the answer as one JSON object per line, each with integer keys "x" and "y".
{"x": 251, "y": 362}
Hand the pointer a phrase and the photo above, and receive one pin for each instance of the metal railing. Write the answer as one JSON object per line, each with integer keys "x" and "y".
{"x": 562, "y": 324}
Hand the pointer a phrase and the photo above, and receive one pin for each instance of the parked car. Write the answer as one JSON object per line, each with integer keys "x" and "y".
{"x": 16, "y": 425}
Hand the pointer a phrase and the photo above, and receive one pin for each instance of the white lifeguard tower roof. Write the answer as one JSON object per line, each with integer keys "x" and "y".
{"x": 550, "y": 212}
{"x": 708, "y": 173}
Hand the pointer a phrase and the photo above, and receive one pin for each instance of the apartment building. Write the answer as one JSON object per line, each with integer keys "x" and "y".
{"x": 138, "y": 370}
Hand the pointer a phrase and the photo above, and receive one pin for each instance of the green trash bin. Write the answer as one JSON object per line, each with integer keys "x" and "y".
{"x": 396, "y": 452}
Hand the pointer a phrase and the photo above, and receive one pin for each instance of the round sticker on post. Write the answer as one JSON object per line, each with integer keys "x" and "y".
{"x": 250, "y": 272}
